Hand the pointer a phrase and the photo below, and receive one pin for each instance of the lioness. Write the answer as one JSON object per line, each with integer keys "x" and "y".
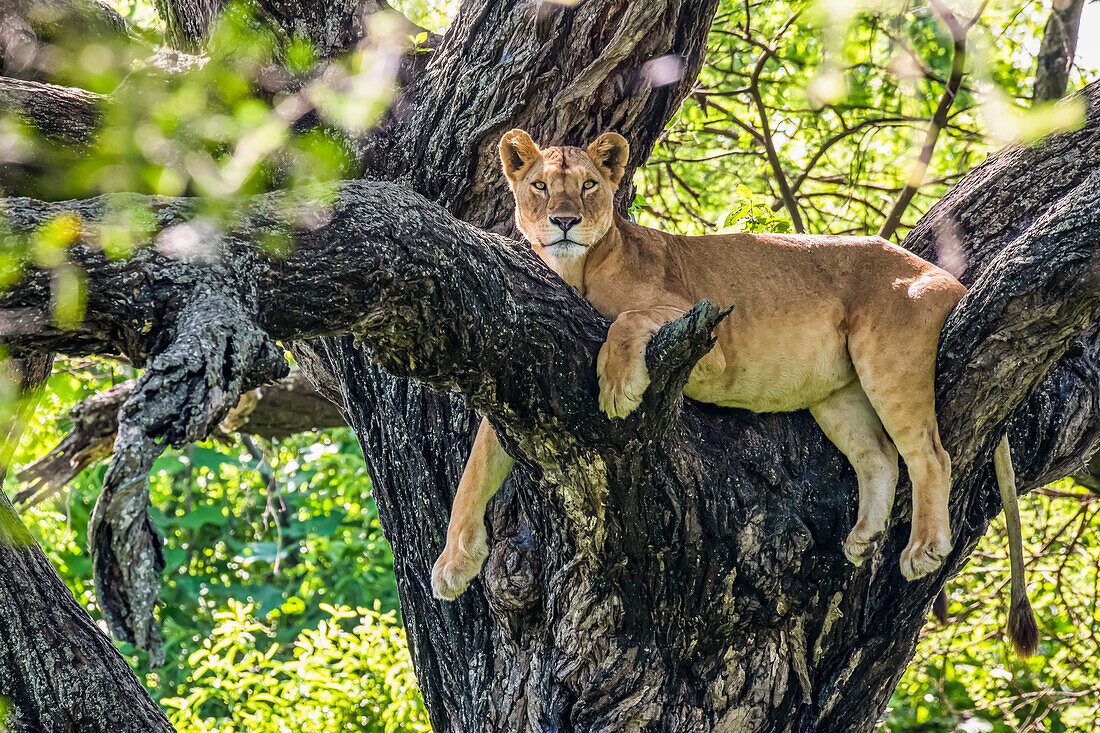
{"x": 846, "y": 327}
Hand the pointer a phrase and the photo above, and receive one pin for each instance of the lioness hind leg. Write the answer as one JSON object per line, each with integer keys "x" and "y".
{"x": 897, "y": 368}
{"x": 930, "y": 535}
{"x": 850, "y": 422}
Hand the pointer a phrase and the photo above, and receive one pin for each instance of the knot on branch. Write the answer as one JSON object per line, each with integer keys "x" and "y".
{"x": 218, "y": 354}
{"x": 511, "y": 576}
{"x": 673, "y": 352}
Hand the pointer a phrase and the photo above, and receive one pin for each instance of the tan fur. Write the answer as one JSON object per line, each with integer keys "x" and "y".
{"x": 846, "y": 327}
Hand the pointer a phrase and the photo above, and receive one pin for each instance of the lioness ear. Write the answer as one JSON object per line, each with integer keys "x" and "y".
{"x": 610, "y": 151}
{"x": 517, "y": 151}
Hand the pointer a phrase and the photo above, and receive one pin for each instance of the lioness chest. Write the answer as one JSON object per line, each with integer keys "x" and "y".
{"x": 795, "y": 299}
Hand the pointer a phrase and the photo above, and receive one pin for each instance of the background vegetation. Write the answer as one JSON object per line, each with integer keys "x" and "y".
{"x": 280, "y": 607}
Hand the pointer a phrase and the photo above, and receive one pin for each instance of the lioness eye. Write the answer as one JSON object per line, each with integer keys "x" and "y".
{"x": 539, "y": 185}
{"x": 589, "y": 184}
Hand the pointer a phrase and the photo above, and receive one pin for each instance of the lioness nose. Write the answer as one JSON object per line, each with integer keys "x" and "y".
{"x": 564, "y": 222}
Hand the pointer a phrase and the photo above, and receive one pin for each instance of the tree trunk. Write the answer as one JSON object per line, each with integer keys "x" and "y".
{"x": 677, "y": 571}
{"x": 1057, "y": 50}
{"x": 693, "y": 580}
{"x": 58, "y": 672}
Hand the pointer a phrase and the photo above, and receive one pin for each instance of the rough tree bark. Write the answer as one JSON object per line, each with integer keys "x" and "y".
{"x": 678, "y": 571}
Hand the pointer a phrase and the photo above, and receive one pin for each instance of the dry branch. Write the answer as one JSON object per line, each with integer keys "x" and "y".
{"x": 286, "y": 407}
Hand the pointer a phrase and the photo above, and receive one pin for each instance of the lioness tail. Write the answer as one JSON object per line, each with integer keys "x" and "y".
{"x": 1022, "y": 629}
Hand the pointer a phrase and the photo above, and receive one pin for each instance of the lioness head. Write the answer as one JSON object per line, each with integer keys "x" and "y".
{"x": 564, "y": 196}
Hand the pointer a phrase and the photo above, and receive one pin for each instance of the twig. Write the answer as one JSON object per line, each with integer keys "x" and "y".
{"x": 767, "y": 51}
{"x": 939, "y": 119}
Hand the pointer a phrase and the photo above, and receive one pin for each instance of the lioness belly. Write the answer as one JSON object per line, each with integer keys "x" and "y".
{"x": 776, "y": 366}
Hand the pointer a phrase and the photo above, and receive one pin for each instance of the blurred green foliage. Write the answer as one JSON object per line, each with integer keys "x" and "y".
{"x": 966, "y": 677}
{"x": 279, "y": 608}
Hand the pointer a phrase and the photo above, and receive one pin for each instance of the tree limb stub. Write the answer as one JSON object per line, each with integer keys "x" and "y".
{"x": 218, "y": 354}
{"x": 673, "y": 352}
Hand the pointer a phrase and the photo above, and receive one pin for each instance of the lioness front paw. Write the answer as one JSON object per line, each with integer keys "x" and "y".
{"x": 924, "y": 555}
{"x": 622, "y": 385}
{"x": 457, "y": 565}
{"x": 861, "y": 543}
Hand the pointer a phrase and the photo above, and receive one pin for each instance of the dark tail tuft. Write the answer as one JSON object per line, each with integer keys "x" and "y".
{"x": 1023, "y": 632}
{"x": 939, "y": 607}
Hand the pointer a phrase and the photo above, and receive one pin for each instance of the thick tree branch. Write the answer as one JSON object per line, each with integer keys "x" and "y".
{"x": 384, "y": 248}
{"x": 1002, "y": 306}
{"x": 61, "y": 113}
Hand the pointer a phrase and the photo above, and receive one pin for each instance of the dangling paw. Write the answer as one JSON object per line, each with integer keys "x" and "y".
{"x": 458, "y": 564}
{"x": 861, "y": 543}
{"x": 924, "y": 554}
